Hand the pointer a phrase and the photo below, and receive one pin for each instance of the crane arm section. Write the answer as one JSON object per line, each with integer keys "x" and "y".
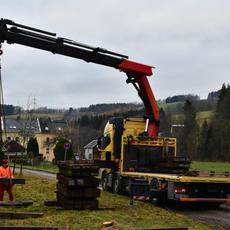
{"x": 137, "y": 73}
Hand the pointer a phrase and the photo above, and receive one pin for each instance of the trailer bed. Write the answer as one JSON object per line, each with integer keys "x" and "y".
{"x": 202, "y": 178}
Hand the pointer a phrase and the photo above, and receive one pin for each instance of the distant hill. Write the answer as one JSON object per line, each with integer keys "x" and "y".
{"x": 182, "y": 98}
{"x": 172, "y": 105}
{"x": 111, "y": 108}
{"x": 213, "y": 95}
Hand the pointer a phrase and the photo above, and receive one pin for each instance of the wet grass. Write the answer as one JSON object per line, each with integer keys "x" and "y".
{"x": 211, "y": 166}
{"x": 113, "y": 208}
{"x": 204, "y": 115}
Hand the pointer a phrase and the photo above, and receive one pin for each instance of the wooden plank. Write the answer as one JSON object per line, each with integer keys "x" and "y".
{"x": 88, "y": 181}
{"x": 12, "y": 181}
{"x": 16, "y": 203}
{"x": 79, "y": 204}
{"x": 66, "y": 180}
{"x": 29, "y": 228}
{"x": 76, "y": 162}
{"x": 73, "y": 169}
{"x": 19, "y": 215}
{"x": 78, "y": 172}
{"x": 78, "y": 192}
{"x": 85, "y": 181}
{"x": 51, "y": 203}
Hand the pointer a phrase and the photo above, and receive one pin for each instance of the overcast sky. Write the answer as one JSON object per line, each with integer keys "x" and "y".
{"x": 187, "y": 41}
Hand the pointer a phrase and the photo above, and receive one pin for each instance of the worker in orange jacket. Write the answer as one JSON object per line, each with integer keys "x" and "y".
{"x": 5, "y": 172}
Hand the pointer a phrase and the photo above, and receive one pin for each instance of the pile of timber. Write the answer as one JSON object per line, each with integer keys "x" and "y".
{"x": 77, "y": 186}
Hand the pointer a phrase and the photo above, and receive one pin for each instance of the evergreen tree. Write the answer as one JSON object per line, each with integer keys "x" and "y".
{"x": 164, "y": 123}
{"x": 204, "y": 141}
{"x": 218, "y": 139}
{"x": 84, "y": 120}
{"x": 1, "y": 156}
{"x": 223, "y": 104}
{"x": 190, "y": 131}
{"x": 33, "y": 147}
{"x": 59, "y": 151}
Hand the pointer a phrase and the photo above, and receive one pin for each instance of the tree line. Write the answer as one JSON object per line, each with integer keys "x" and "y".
{"x": 215, "y": 135}
{"x": 206, "y": 140}
{"x": 209, "y": 140}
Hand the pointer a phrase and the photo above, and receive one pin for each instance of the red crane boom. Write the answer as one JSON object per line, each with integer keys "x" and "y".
{"x": 137, "y": 73}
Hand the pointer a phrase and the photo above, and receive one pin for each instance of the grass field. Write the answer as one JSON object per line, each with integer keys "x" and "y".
{"x": 169, "y": 106}
{"x": 115, "y": 208}
{"x": 211, "y": 166}
{"x": 204, "y": 115}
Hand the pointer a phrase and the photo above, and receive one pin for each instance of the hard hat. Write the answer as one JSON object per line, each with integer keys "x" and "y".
{"x": 4, "y": 161}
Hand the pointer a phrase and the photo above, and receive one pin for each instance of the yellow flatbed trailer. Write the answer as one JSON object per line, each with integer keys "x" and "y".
{"x": 179, "y": 178}
{"x": 148, "y": 168}
{"x": 205, "y": 187}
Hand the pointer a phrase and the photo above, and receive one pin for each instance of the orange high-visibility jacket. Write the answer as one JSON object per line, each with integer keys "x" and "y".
{"x": 6, "y": 172}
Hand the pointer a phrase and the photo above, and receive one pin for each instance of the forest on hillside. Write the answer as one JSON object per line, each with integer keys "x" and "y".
{"x": 208, "y": 139}
{"x": 202, "y": 127}
{"x": 205, "y": 139}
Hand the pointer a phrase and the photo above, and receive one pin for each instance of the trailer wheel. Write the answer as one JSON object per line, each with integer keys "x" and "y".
{"x": 104, "y": 182}
{"x": 117, "y": 185}
{"x": 213, "y": 205}
{"x": 156, "y": 196}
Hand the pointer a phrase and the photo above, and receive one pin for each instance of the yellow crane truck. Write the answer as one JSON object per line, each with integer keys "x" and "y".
{"x": 148, "y": 168}
{"x": 133, "y": 157}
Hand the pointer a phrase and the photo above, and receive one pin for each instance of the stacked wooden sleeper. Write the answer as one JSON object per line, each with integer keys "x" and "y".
{"x": 77, "y": 186}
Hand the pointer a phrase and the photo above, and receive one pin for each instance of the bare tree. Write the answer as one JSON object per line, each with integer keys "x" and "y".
{"x": 26, "y": 131}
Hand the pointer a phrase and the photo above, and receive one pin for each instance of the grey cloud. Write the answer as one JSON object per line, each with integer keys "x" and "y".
{"x": 187, "y": 42}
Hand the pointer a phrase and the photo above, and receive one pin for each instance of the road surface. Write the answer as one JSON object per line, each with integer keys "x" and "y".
{"x": 218, "y": 217}
{"x": 48, "y": 175}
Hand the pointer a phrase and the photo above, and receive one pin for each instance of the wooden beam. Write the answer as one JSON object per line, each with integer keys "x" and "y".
{"x": 12, "y": 181}
{"x": 51, "y": 203}
{"x": 16, "y": 203}
{"x": 19, "y": 215}
{"x": 30, "y": 228}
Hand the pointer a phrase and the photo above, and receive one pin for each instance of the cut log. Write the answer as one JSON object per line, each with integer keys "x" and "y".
{"x": 108, "y": 224}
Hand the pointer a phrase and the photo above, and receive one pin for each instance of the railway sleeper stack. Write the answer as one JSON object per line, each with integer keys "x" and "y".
{"x": 77, "y": 186}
